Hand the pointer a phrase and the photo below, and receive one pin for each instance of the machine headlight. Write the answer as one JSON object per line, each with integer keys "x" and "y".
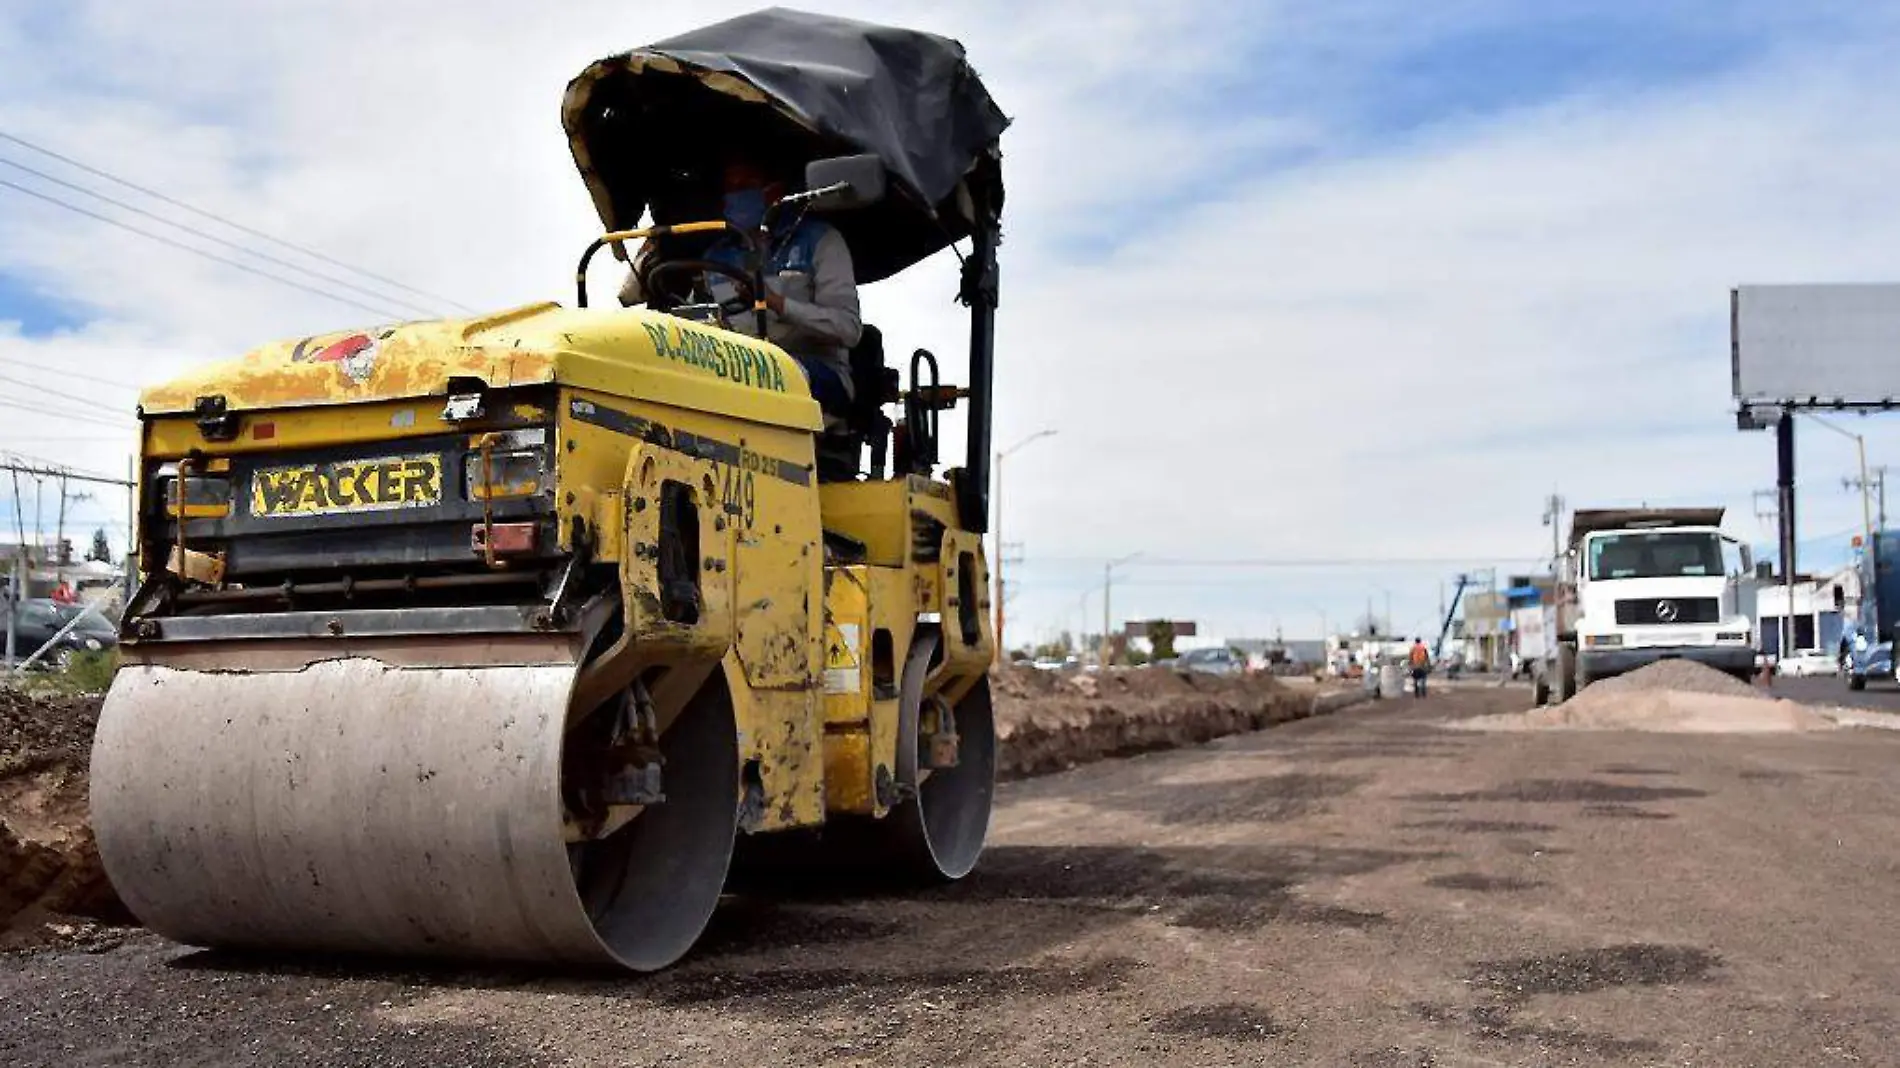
{"x": 1603, "y": 641}
{"x": 511, "y": 473}
{"x": 204, "y": 497}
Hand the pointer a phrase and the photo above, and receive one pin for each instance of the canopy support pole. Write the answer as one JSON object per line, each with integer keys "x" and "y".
{"x": 979, "y": 292}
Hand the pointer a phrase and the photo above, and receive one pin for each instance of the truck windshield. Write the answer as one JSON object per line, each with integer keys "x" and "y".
{"x": 1657, "y": 554}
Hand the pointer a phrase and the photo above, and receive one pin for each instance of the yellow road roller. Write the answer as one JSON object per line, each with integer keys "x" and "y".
{"x": 517, "y": 637}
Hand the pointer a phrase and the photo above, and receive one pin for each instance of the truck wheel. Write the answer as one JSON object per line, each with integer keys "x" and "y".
{"x": 1540, "y": 689}
{"x": 1857, "y": 682}
{"x": 1566, "y": 672}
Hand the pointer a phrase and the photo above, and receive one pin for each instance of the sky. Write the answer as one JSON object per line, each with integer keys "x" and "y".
{"x": 1322, "y": 301}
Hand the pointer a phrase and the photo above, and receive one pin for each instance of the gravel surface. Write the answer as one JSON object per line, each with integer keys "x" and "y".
{"x": 1669, "y": 696}
{"x": 1363, "y": 889}
{"x": 1678, "y": 676}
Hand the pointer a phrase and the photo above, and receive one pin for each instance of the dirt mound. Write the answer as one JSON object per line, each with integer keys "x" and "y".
{"x": 1085, "y": 717}
{"x": 49, "y": 865}
{"x": 1671, "y": 697}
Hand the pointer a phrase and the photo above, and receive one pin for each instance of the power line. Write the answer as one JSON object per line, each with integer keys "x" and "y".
{"x": 227, "y": 261}
{"x": 105, "y": 417}
{"x": 201, "y": 213}
{"x": 37, "y": 439}
{"x": 236, "y": 246}
{"x": 41, "y": 468}
{"x": 86, "y": 401}
{"x": 60, "y": 413}
{"x": 37, "y": 365}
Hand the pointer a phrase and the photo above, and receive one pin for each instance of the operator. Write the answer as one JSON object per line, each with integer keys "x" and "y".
{"x": 811, "y": 293}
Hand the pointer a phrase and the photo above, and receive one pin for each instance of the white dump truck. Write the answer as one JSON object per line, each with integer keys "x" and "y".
{"x": 1639, "y": 585}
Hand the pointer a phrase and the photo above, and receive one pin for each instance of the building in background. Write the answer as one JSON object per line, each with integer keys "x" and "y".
{"x": 1825, "y": 608}
{"x": 1487, "y": 618}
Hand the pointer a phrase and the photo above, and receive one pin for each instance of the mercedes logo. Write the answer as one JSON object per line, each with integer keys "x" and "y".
{"x": 1667, "y": 611}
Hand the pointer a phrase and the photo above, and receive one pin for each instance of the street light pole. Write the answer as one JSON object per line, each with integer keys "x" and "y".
{"x": 1866, "y": 486}
{"x": 1001, "y": 655}
{"x": 1108, "y": 579}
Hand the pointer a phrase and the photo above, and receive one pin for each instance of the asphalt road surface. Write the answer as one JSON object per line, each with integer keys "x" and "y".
{"x": 1366, "y": 889}
{"x": 1881, "y": 694}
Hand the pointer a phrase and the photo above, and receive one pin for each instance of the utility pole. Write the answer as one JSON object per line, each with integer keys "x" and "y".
{"x": 59, "y": 535}
{"x": 1553, "y": 518}
{"x": 127, "y": 563}
{"x": 39, "y": 513}
{"x": 14, "y": 585}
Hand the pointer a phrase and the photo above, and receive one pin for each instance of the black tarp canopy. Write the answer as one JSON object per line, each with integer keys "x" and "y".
{"x": 651, "y": 128}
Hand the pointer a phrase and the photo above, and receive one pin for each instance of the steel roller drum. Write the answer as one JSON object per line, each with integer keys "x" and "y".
{"x": 356, "y": 806}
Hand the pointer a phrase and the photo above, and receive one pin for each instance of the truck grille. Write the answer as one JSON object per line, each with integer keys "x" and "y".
{"x": 1650, "y": 611}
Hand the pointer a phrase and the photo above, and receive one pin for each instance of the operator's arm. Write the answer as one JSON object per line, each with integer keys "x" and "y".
{"x": 832, "y": 313}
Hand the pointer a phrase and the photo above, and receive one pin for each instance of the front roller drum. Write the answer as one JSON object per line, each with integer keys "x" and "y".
{"x": 359, "y": 807}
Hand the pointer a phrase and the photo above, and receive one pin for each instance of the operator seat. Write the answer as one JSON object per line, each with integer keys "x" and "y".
{"x": 873, "y": 385}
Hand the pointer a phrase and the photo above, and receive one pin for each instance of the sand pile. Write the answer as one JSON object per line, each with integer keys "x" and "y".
{"x": 1670, "y": 696}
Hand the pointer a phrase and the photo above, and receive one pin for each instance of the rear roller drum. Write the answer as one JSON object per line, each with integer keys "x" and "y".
{"x": 933, "y": 835}
{"x": 937, "y": 833}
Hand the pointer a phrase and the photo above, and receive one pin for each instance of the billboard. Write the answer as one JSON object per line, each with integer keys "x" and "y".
{"x": 1815, "y": 345}
{"x": 1138, "y": 628}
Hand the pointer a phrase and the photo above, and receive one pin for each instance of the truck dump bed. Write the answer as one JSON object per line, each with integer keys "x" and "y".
{"x": 1589, "y": 521}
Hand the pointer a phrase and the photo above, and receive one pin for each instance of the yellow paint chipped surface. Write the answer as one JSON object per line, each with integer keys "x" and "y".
{"x": 628, "y": 353}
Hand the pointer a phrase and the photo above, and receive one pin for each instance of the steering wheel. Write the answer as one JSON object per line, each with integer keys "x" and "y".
{"x": 655, "y": 278}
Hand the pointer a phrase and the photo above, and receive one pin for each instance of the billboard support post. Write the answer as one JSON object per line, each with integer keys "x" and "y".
{"x": 1784, "y": 486}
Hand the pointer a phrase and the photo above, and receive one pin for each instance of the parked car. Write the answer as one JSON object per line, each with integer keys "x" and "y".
{"x": 39, "y": 619}
{"x": 1873, "y": 662}
{"x": 1807, "y": 663}
{"x": 1219, "y": 661}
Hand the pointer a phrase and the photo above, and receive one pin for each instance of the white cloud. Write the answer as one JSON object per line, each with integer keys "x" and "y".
{"x": 1392, "y": 345}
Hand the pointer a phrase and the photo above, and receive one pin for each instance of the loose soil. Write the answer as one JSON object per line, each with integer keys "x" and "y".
{"x": 1047, "y": 721}
{"x": 48, "y": 864}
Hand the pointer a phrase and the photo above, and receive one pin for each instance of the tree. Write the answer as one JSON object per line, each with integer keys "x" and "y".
{"x": 1161, "y": 639}
{"x": 101, "y": 549}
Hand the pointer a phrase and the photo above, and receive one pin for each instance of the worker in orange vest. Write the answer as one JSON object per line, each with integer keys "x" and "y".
{"x": 1421, "y": 663}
